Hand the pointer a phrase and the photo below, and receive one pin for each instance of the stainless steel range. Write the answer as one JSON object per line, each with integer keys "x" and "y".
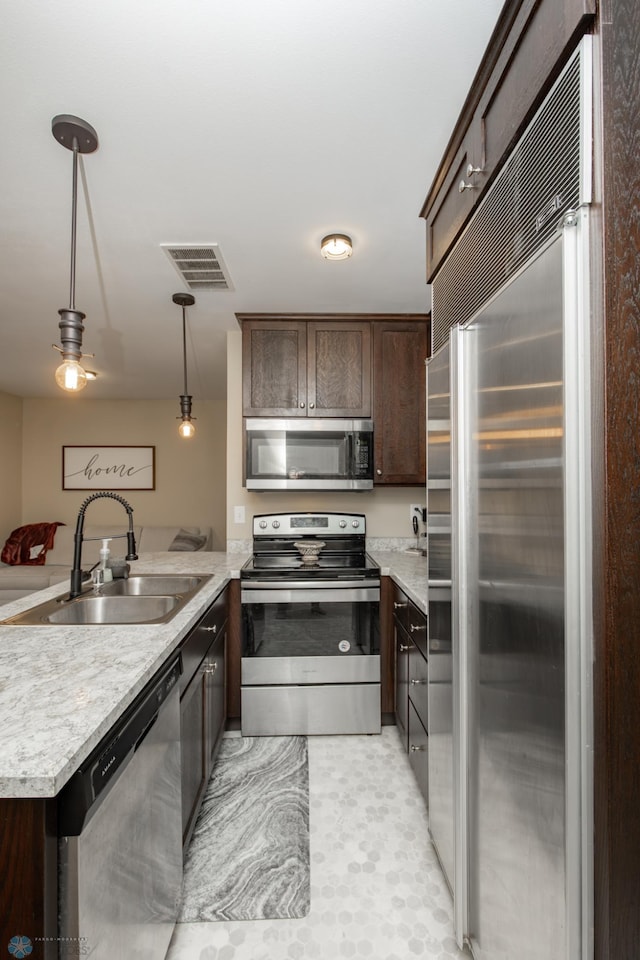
{"x": 311, "y": 637}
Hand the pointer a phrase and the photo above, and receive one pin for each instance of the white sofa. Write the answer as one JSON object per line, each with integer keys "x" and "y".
{"x": 19, "y": 580}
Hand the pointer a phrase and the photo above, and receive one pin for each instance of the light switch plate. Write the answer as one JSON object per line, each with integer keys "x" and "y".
{"x": 238, "y": 514}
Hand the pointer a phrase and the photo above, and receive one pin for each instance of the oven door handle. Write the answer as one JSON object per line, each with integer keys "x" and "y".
{"x": 291, "y": 594}
{"x": 309, "y": 584}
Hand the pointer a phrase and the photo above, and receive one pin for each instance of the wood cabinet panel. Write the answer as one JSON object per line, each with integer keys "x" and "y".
{"x": 540, "y": 42}
{"x": 412, "y": 691}
{"x": 387, "y": 651}
{"x": 339, "y": 369}
{"x": 305, "y": 368}
{"x": 29, "y": 878}
{"x": 453, "y": 205}
{"x": 194, "y": 761}
{"x": 617, "y": 528}
{"x": 399, "y": 351}
{"x": 274, "y": 380}
{"x": 531, "y": 42}
{"x": 402, "y": 647}
{"x": 419, "y": 752}
{"x": 418, "y": 684}
{"x": 202, "y": 707}
{"x": 234, "y": 651}
{"x": 216, "y": 705}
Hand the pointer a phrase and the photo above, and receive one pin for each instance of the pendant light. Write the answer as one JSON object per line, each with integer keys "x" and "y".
{"x": 79, "y": 137}
{"x": 186, "y": 428}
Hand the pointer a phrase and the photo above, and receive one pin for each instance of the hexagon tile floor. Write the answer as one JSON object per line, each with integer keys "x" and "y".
{"x": 377, "y": 891}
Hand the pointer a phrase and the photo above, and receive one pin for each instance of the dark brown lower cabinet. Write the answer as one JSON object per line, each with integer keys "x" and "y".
{"x": 419, "y": 751}
{"x": 411, "y": 686}
{"x": 202, "y": 708}
{"x": 403, "y": 645}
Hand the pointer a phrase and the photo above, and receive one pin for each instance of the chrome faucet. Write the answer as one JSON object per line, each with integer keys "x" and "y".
{"x": 76, "y": 571}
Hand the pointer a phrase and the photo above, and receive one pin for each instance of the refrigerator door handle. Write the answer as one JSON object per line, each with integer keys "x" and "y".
{"x": 462, "y": 566}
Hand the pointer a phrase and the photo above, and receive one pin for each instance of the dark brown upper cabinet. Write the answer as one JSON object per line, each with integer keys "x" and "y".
{"x": 529, "y": 46}
{"x": 348, "y": 365}
{"x": 296, "y": 367}
{"x": 400, "y": 349}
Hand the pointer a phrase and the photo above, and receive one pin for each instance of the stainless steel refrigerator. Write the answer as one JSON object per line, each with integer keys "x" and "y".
{"x": 509, "y": 538}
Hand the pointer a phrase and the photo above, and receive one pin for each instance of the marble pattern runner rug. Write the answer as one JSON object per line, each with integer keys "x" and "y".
{"x": 249, "y": 855}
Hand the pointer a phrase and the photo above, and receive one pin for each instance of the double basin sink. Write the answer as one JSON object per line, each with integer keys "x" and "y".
{"x": 143, "y": 598}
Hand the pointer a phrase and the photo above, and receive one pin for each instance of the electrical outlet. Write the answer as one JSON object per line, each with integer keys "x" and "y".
{"x": 416, "y": 510}
{"x": 238, "y": 514}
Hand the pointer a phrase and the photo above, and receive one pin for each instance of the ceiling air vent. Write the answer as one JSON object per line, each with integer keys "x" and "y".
{"x": 200, "y": 266}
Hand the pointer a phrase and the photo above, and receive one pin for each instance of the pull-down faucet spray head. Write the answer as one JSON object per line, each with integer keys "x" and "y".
{"x": 76, "y": 571}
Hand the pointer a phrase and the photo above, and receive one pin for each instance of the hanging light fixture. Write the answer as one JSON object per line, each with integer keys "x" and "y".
{"x": 186, "y": 428}
{"x": 336, "y": 246}
{"x": 80, "y": 137}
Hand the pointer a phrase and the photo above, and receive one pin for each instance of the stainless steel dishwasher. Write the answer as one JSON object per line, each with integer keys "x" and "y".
{"x": 120, "y": 830}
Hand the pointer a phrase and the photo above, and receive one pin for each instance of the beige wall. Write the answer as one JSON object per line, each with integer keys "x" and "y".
{"x": 10, "y": 464}
{"x": 190, "y": 474}
{"x": 386, "y": 508}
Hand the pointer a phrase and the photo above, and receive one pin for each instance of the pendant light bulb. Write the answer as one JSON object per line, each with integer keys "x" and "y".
{"x": 78, "y": 136}
{"x": 186, "y": 429}
{"x": 71, "y": 376}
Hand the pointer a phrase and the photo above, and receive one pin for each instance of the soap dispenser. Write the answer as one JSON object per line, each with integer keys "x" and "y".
{"x": 105, "y": 565}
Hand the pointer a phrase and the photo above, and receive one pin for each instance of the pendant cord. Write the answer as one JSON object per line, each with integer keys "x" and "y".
{"x": 184, "y": 349}
{"x": 74, "y": 208}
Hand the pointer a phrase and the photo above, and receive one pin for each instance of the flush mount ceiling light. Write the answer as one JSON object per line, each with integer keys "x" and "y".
{"x": 79, "y": 137}
{"x": 186, "y": 428}
{"x": 337, "y": 246}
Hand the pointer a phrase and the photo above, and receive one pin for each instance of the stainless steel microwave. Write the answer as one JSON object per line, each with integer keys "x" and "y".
{"x": 308, "y": 454}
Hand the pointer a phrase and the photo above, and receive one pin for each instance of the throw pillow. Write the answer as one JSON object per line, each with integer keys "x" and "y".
{"x": 184, "y": 540}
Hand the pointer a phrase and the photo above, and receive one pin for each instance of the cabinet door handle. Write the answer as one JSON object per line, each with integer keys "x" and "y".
{"x": 416, "y": 682}
{"x": 210, "y": 668}
{"x": 398, "y": 606}
{"x": 471, "y": 170}
{"x": 462, "y": 186}
{"x": 403, "y": 648}
{"x": 301, "y": 404}
{"x": 213, "y": 629}
{"x": 379, "y": 472}
{"x": 420, "y": 626}
{"x": 311, "y": 406}
{"x": 415, "y": 749}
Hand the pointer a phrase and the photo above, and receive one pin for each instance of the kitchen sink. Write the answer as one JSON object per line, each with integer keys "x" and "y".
{"x": 144, "y": 598}
{"x": 113, "y": 610}
{"x": 152, "y": 585}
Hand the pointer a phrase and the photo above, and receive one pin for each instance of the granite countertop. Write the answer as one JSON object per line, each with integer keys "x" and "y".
{"x": 63, "y": 687}
{"x": 408, "y": 570}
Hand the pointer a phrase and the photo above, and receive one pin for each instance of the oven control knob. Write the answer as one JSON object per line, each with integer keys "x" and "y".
{"x": 355, "y": 523}
{"x": 263, "y": 524}
{"x": 343, "y": 524}
{"x": 275, "y": 524}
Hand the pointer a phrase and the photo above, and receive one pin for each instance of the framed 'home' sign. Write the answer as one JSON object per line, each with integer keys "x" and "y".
{"x": 108, "y": 468}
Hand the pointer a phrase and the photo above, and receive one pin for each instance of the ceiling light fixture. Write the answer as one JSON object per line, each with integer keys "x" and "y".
{"x": 336, "y": 246}
{"x": 186, "y": 428}
{"x": 80, "y": 137}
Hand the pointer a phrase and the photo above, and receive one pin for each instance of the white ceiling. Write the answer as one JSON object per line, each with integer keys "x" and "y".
{"x": 258, "y": 125}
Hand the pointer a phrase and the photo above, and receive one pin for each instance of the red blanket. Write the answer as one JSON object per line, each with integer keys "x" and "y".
{"x": 17, "y": 549}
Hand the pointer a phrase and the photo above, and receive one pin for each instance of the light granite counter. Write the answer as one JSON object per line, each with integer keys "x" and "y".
{"x": 408, "y": 570}
{"x": 63, "y": 687}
